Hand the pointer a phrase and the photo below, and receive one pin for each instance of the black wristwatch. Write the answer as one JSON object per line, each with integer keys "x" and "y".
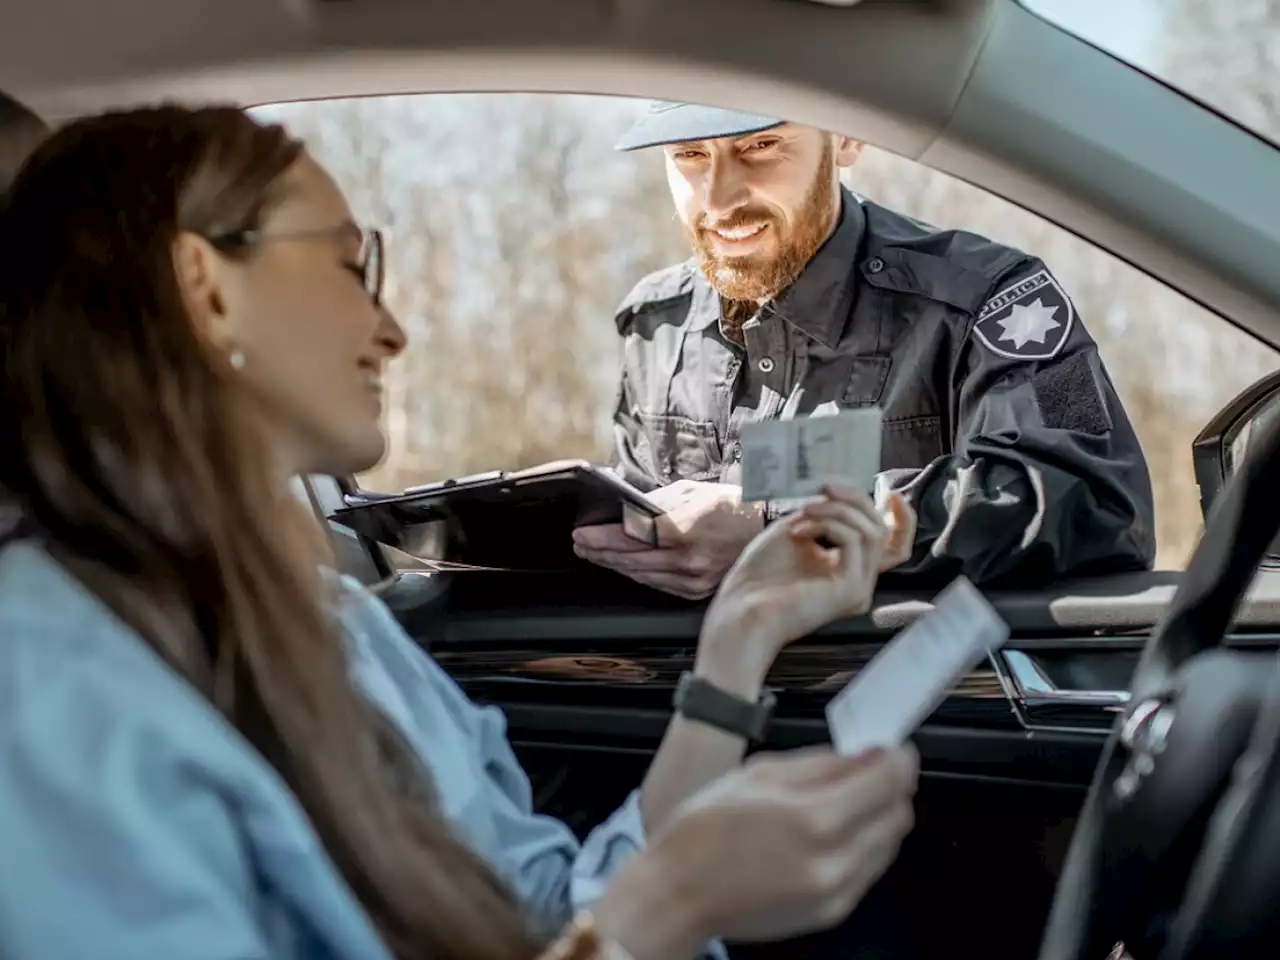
{"x": 701, "y": 700}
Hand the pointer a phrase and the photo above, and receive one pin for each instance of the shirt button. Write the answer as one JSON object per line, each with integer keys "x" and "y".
{"x": 875, "y": 265}
{"x": 765, "y": 364}
{"x": 736, "y": 450}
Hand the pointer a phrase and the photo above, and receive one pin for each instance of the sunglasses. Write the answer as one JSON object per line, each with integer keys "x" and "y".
{"x": 368, "y": 266}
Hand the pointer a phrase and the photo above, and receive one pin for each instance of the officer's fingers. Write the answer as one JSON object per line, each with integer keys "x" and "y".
{"x": 669, "y": 535}
{"x": 674, "y": 493}
{"x": 608, "y": 536}
{"x": 601, "y": 558}
{"x": 648, "y": 560}
{"x": 678, "y": 584}
{"x": 675, "y": 583}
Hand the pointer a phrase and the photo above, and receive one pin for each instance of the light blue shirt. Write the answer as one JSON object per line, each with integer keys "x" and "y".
{"x": 135, "y": 822}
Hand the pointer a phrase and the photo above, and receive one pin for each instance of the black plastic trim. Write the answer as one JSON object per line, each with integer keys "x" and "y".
{"x": 479, "y": 608}
{"x": 1068, "y": 758}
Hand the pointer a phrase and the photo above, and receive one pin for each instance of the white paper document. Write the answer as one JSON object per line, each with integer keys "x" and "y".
{"x": 907, "y": 680}
{"x": 791, "y": 459}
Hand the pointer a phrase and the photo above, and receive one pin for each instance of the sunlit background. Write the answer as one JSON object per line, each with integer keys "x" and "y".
{"x": 516, "y": 230}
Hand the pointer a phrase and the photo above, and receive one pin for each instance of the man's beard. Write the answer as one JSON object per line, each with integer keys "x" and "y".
{"x": 758, "y": 277}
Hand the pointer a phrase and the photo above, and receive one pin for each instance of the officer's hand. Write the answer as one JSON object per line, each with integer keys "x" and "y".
{"x": 705, "y": 528}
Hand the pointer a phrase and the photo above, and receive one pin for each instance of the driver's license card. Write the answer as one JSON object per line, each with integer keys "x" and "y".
{"x": 793, "y": 459}
{"x": 907, "y": 680}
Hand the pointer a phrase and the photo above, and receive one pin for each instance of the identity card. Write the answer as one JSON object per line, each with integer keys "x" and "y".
{"x": 912, "y": 674}
{"x": 794, "y": 459}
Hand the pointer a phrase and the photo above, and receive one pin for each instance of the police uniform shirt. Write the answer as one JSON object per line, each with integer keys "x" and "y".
{"x": 1001, "y": 424}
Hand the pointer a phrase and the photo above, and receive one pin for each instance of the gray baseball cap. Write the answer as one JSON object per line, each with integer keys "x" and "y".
{"x": 668, "y": 121}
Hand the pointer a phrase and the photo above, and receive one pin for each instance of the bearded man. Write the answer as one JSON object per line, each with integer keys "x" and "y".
{"x": 1001, "y": 424}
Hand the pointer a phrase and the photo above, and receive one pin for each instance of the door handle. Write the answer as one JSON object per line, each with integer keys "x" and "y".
{"x": 1032, "y": 685}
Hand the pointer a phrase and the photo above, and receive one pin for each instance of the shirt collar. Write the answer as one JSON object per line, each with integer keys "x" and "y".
{"x": 819, "y": 301}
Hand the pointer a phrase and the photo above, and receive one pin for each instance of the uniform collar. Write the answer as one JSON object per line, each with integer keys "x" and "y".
{"x": 818, "y": 303}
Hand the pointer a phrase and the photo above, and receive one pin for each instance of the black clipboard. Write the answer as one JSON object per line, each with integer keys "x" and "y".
{"x": 521, "y": 520}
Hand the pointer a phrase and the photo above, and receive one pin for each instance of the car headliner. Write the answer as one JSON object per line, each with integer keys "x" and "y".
{"x": 981, "y": 89}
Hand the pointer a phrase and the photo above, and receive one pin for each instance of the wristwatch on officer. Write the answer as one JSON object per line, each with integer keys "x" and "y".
{"x": 700, "y": 700}
{"x": 777, "y": 509}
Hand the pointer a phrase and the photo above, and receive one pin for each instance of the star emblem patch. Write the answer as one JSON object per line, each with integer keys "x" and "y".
{"x": 1027, "y": 321}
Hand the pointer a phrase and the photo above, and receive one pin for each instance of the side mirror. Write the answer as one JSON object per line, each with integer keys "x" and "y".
{"x": 1226, "y": 442}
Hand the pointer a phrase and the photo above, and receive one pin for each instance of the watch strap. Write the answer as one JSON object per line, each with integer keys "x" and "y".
{"x": 775, "y": 510}
{"x": 698, "y": 699}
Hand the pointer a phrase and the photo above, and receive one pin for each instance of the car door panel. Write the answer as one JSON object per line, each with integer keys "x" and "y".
{"x": 603, "y": 675}
{"x": 1006, "y": 758}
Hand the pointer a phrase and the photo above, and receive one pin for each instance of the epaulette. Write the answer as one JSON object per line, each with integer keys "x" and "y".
{"x": 658, "y": 288}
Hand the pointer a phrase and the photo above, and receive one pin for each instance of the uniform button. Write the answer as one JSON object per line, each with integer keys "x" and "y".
{"x": 736, "y": 451}
{"x": 875, "y": 265}
{"x": 765, "y": 364}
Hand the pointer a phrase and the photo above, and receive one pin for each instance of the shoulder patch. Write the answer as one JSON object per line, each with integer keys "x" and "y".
{"x": 1029, "y": 320}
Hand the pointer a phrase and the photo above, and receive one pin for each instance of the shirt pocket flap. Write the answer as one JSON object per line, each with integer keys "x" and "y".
{"x": 682, "y": 449}
{"x": 867, "y": 377}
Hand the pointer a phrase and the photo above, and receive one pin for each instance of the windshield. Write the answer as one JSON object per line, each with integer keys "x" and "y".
{"x": 515, "y": 230}
{"x": 1223, "y": 52}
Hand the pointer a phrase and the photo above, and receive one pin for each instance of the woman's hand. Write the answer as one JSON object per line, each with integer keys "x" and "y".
{"x": 784, "y": 845}
{"x": 803, "y": 572}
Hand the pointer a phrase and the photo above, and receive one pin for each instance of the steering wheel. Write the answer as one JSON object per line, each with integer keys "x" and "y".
{"x": 1178, "y": 844}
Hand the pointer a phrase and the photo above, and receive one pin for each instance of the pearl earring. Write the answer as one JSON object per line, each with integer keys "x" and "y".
{"x": 236, "y": 359}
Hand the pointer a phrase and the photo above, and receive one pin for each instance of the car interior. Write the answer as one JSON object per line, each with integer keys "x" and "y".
{"x": 1106, "y": 778}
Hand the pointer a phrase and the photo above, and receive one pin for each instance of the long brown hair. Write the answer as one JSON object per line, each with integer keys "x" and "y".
{"x": 131, "y": 452}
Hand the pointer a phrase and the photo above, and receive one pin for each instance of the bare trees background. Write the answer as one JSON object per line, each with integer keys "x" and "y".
{"x": 515, "y": 230}
{"x": 510, "y": 246}
{"x": 1227, "y": 53}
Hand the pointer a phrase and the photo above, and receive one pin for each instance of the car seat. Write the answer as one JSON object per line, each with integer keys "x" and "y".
{"x": 20, "y": 131}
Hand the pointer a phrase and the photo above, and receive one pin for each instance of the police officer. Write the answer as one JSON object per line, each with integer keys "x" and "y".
{"x": 1001, "y": 424}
